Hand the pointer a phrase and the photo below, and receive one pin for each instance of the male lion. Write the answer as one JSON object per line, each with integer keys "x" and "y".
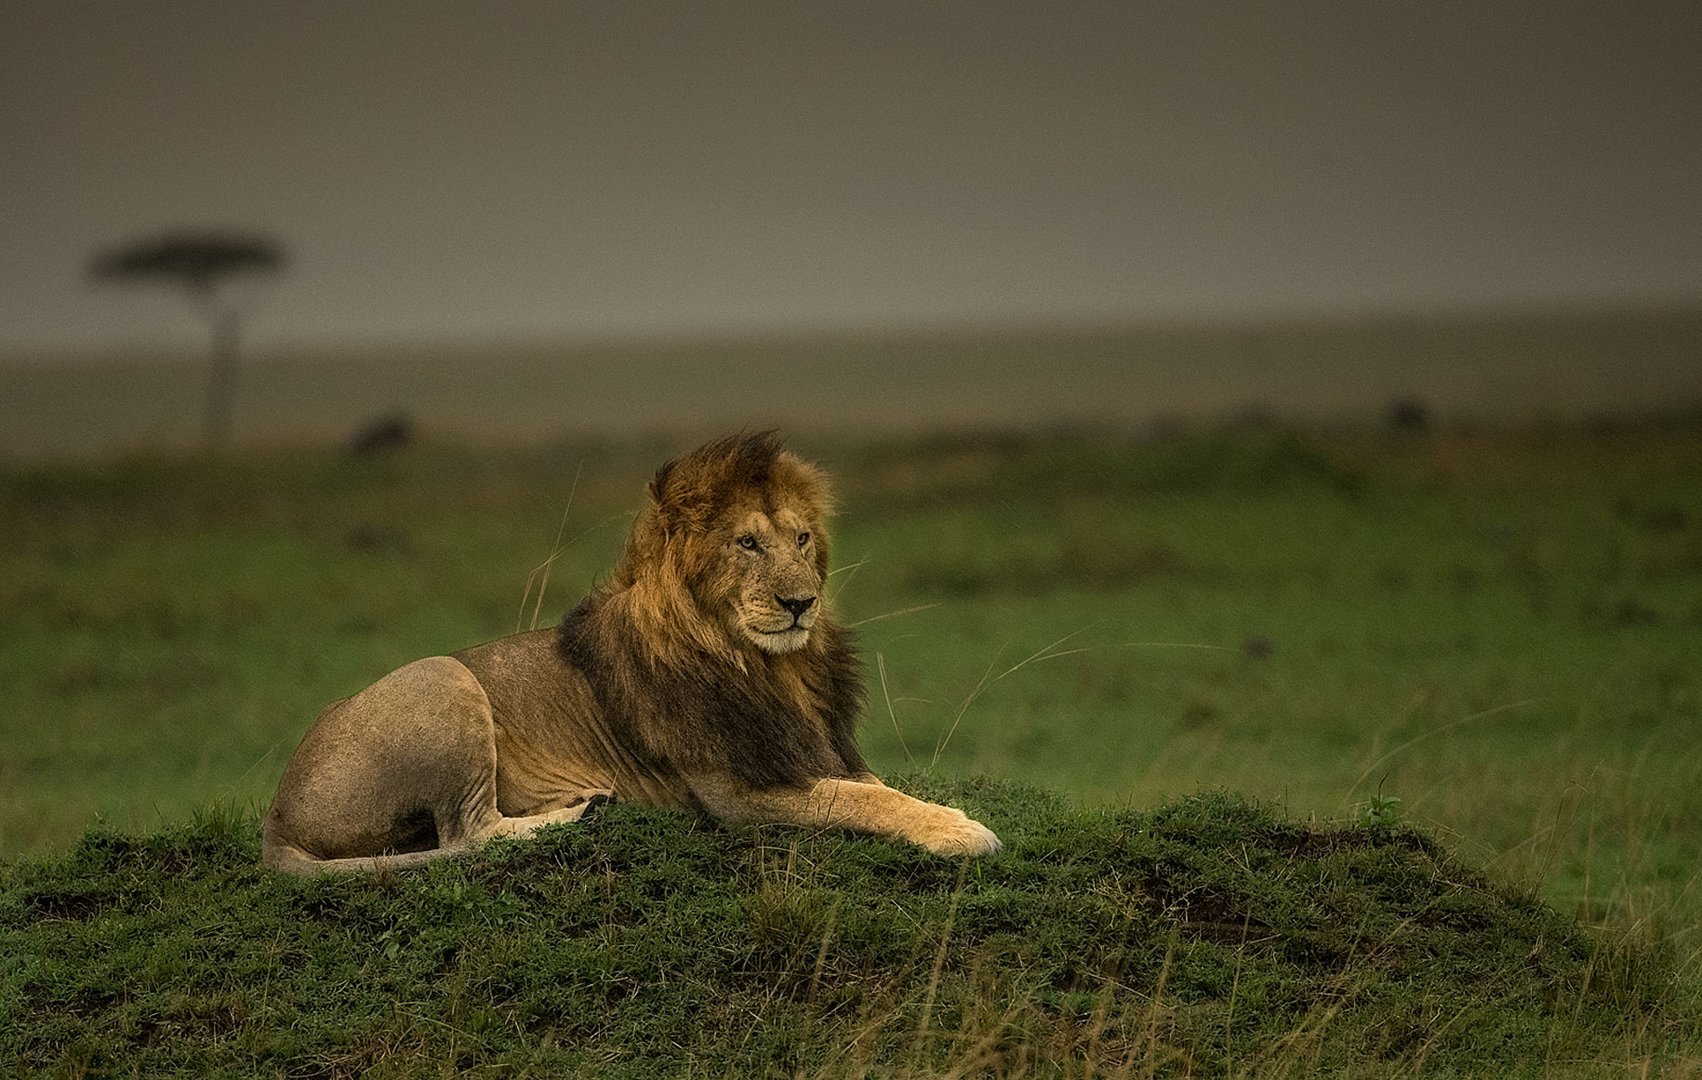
{"x": 706, "y": 674}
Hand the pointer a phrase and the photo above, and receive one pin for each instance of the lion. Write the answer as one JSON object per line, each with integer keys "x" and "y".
{"x": 708, "y": 673}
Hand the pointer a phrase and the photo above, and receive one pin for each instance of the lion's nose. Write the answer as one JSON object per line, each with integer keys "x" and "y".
{"x": 796, "y": 607}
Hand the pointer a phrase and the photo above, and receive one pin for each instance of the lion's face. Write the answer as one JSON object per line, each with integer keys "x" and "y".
{"x": 735, "y": 541}
{"x": 770, "y": 585}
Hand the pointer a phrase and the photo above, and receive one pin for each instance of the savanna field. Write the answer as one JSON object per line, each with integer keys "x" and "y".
{"x": 1355, "y": 753}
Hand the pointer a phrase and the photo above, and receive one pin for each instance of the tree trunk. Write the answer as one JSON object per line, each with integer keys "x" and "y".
{"x": 221, "y": 381}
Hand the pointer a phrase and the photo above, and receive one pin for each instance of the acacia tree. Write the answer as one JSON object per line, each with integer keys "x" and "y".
{"x": 205, "y": 265}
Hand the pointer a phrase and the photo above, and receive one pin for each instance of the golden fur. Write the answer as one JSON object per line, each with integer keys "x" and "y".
{"x": 707, "y": 674}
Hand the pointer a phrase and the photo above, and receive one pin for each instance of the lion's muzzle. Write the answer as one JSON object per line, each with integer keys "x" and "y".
{"x": 797, "y": 607}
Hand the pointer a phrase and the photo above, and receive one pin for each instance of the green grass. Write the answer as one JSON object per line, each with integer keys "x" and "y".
{"x": 1503, "y": 632}
{"x": 1208, "y": 936}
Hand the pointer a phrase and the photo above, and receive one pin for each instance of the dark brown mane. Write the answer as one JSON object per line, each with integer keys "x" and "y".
{"x": 671, "y": 680}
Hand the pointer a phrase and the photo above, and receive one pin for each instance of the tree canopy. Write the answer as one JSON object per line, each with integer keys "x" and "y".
{"x": 198, "y": 259}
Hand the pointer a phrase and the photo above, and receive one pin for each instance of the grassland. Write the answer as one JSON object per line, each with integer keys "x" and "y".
{"x": 1496, "y": 638}
{"x": 1207, "y": 936}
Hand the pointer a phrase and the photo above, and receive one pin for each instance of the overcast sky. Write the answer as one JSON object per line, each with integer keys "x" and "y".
{"x": 496, "y": 170}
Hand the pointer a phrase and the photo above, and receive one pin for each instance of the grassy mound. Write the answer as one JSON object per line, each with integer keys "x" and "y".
{"x": 1210, "y": 936}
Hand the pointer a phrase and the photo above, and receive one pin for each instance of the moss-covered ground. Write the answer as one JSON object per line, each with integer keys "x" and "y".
{"x": 1207, "y": 936}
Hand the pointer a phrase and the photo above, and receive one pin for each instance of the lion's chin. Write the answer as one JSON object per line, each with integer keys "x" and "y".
{"x": 788, "y": 640}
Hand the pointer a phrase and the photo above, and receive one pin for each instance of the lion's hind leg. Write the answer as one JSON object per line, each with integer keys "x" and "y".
{"x": 401, "y": 773}
{"x": 293, "y": 860}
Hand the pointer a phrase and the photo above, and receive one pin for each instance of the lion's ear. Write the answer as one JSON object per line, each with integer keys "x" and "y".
{"x": 658, "y": 487}
{"x": 806, "y": 482}
{"x": 683, "y": 493}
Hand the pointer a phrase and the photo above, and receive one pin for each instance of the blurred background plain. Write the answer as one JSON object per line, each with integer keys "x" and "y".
{"x": 554, "y": 219}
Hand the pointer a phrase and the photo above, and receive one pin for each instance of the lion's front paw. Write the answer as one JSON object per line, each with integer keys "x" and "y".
{"x": 959, "y": 834}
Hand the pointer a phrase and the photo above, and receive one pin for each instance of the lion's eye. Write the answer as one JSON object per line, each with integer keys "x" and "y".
{"x": 748, "y": 542}
{"x": 803, "y": 538}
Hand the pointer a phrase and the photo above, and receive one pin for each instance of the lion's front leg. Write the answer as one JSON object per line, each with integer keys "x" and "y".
{"x": 865, "y": 806}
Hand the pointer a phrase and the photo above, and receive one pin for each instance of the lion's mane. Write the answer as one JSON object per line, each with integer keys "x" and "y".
{"x": 670, "y": 678}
